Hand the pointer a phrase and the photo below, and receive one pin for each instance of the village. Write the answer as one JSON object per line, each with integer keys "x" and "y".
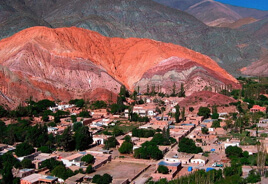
{"x": 154, "y": 139}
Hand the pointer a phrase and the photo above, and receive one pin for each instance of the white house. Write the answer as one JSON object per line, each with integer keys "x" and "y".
{"x": 52, "y": 130}
{"x": 73, "y": 160}
{"x": 199, "y": 159}
{"x": 231, "y": 143}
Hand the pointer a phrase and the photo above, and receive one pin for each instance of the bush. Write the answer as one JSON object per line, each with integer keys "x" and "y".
{"x": 162, "y": 169}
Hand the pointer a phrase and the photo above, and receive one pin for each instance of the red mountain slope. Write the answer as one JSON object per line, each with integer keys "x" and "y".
{"x": 65, "y": 63}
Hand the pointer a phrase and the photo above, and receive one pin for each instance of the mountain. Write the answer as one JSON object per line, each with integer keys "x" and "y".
{"x": 214, "y": 13}
{"x": 15, "y": 16}
{"x": 258, "y": 68}
{"x": 239, "y": 23}
{"x": 258, "y": 31}
{"x": 232, "y": 49}
{"x": 67, "y": 63}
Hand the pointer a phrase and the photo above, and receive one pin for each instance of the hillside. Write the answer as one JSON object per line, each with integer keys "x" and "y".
{"x": 214, "y": 13}
{"x": 147, "y": 19}
{"x": 73, "y": 62}
{"x": 258, "y": 68}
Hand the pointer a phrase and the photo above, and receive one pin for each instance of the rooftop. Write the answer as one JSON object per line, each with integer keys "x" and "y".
{"x": 169, "y": 164}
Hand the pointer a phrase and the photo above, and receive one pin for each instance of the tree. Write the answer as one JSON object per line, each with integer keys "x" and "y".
{"x": 67, "y": 140}
{"x": 159, "y": 139}
{"x": 233, "y": 151}
{"x": 24, "y": 149}
{"x": 83, "y": 138}
{"x": 216, "y": 124}
{"x": 44, "y": 149}
{"x": 3, "y": 112}
{"x": 183, "y": 114}
{"x": 253, "y": 177}
{"x": 126, "y": 148}
{"x": 76, "y": 126}
{"x": 77, "y": 102}
{"x": 111, "y": 143}
{"x": 3, "y": 128}
{"x": 73, "y": 118}
{"x": 84, "y": 114}
{"x": 162, "y": 169}
{"x": 173, "y": 90}
{"x": 7, "y": 176}
{"x": 148, "y": 150}
{"x": 191, "y": 109}
{"x": 204, "y": 130}
{"x": 62, "y": 172}
{"x": 51, "y": 164}
{"x": 204, "y": 111}
{"x": 117, "y": 131}
{"x": 177, "y": 113}
{"x": 89, "y": 159}
{"x": 188, "y": 146}
{"x": 215, "y": 114}
{"x": 105, "y": 179}
{"x": 89, "y": 169}
{"x": 182, "y": 91}
{"x": 27, "y": 163}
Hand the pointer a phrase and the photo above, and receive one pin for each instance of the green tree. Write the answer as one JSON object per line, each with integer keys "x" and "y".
{"x": 105, "y": 179}
{"x": 89, "y": 159}
{"x": 182, "y": 91}
{"x": 204, "y": 111}
{"x": 162, "y": 169}
{"x": 27, "y": 163}
{"x": 126, "y": 148}
{"x": 177, "y": 113}
{"x": 3, "y": 129}
{"x": 191, "y": 109}
{"x": 61, "y": 171}
{"x": 233, "y": 151}
{"x": 73, "y": 118}
{"x": 160, "y": 139}
{"x": 7, "y": 176}
{"x": 50, "y": 164}
{"x": 148, "y": 150}
{"x": 83, "y": 138}
{"x": 183, "y": 114}
{"x": 89, "y": 169}
{"x": 188, "y": 146}
{"x": 44, "y": 149}
{"x": 117, "y": 131}
{"x": 253, "y": 177}
{"x": 216, "y": 124}
{"x": 111, "y": 143}
{"x": 66, "y": 140}
{"x": 204, "y": 130}
{"x": 24, "y": 149}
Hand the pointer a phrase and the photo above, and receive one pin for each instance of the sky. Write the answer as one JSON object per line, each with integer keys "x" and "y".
{"x": 257, "y": 4}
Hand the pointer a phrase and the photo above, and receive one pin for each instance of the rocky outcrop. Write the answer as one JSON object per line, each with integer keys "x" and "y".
{"x": 73, "y": 62}
{"x": 175, "y": 71}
